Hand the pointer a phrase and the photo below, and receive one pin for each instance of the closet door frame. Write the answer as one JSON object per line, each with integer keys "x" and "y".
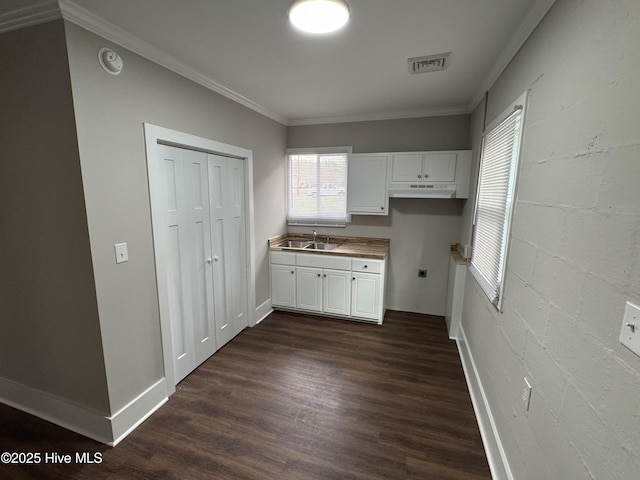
{"x": 154, "y": 136}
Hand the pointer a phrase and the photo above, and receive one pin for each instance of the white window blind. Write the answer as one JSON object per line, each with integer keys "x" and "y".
{"x": 317, "y": 187}
{"x": 494, "y": 201}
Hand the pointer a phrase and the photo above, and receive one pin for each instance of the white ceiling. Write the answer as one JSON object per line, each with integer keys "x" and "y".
{"x": 247, "y": 50}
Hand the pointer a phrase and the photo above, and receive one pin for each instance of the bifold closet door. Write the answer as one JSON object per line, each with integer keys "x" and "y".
{"x": 226, "y": 187}
{"x": 187, "y": 248}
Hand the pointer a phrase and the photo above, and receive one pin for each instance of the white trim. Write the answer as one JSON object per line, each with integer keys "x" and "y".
{"x": 522, "y": 34}
{"x": 496, "y": 455}
{"x": 48, "y": 10}
{"x": 105, "y": 429}
{"x": 57, "y": 410}
{"x": 263, "y": 311}
{"x": 320, "y": 150}
{"x": 519, "y": 103}
{"x": 127, "y": 419}
{"x": 155, "y": 135}
{"x": 34, "y": 14}
{"x": 101, "y": 27}
{"x": 399, "y": 115}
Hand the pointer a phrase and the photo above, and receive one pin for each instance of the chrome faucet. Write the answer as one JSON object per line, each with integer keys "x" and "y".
{"x": 315, "y": 234}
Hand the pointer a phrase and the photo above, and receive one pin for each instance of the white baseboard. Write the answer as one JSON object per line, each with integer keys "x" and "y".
{"x": 138, "y": 410}
{"x": 496, "y": 455}
{"x": 95, "y": 425}
{"x": 263, "y": 311}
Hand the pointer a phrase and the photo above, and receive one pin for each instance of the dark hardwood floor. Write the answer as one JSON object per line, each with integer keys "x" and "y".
{"x": 295, "y": 398}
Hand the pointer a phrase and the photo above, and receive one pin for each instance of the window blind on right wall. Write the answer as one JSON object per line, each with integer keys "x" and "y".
{"x": 494, "y": 200}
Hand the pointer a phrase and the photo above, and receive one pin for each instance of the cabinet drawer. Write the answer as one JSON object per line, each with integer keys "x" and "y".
{"x": 283, "y": 258}
{"x": 366, "y": 265}
{"x": 323, "y": 261}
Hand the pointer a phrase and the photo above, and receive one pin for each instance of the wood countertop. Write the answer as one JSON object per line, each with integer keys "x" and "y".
{"x": 362, "y": 247}
{"x": 456, "y": 254}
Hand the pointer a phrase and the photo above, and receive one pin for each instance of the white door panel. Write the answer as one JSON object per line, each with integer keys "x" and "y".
{"x": 228, "y": 234}
{"x": 309, "y": 288}
{"x": 440, "y": 167}
{"x": 178, "y": 259}
{"x": 336, "y": 292}
{"x": 197, "y": 182}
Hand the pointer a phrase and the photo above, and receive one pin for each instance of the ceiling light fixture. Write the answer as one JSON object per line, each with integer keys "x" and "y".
{"x": 319, "y": 16}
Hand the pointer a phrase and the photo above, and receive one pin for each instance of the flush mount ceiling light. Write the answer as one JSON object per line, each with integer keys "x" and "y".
{"x": 319, "y": 16}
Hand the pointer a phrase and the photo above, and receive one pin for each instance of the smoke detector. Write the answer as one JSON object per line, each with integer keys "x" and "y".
{"x": 430, "y": 63}
{"x": 110, "y": 61}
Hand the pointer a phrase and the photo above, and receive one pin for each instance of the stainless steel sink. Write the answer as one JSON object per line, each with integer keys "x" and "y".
{"x": 294, "y": 244}
{"x": 322, "y": 246}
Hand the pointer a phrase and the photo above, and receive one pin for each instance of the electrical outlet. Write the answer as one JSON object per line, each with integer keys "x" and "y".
{"x": 526, "y": 394}
{"x": 422, "y": 273}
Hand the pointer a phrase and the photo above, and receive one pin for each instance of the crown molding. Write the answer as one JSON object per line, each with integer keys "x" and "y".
{"x": 29, "y": 15}
{"x": 48, "y": 10}
{"x": 97, "y": 25}
{"x": 372, "y": 117}
{"x": 524, "y": 31}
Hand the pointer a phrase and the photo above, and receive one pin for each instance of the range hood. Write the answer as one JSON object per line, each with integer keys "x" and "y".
{"x": 422, "y": 190}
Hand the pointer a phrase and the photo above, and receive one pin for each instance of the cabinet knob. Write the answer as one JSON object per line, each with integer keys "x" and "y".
{"x": 381, "y": 208}
{"x": 209, "y": 260}
{"x": 365, "y": 266}
{"x": 325, "y": 275}
{"x": 419, "y": 176}
{"x": 319, "y": 275}
{"x": 426, "y": 176}
{"x": 292, "y": 272}
{"x": 353, "y": 278}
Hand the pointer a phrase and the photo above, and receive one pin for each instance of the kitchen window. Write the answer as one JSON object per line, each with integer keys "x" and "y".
{"x": 501, "y": 144}
{"x": 317, "y": 186}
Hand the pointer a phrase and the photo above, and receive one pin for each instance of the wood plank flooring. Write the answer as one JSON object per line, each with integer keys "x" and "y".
{"x": 295, "y": 398}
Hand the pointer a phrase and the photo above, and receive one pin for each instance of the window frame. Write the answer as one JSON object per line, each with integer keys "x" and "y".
{"x": 495, "y": 290}
{"x": 317, "y": 221}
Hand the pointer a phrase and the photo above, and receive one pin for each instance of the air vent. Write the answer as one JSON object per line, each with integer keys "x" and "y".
{"x": 430, "y": 63}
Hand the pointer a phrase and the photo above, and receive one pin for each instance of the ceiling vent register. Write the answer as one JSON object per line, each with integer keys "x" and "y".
{"x": 430, "y": 63}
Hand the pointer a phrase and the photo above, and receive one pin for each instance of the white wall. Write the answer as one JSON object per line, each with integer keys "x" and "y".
{"x": 421, "y": 230}
{"x": 575, "y": 251}
{"x": 110, "y": 112}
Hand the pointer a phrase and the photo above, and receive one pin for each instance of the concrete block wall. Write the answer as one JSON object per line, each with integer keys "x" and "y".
{"x": 575, "y": 251}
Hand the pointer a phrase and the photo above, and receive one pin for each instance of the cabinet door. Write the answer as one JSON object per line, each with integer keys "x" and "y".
{"x": 336, "y": 290}
{"x": 367, "y": 191}
{"x": 439, "y": 167}
{"x": 283, "y": 286}
{"x": 407, "y": 167}
{"x": 309, "y": 288}
{"x": 366, "y": 295}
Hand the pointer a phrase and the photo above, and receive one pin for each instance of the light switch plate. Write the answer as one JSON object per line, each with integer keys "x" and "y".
{"x": 122, "y": 255}
{"x": 630, "y": 332}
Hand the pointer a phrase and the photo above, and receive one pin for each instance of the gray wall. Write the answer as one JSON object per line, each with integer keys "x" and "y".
{"x": 49, "y": 329}
{"x": 404, "y": 135}
{"x": 110, "y": 112}
{"x": 421, "y": 231}
{"x": 575, "y": 254}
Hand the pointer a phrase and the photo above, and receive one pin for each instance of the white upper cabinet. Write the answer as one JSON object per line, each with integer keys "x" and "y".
{"x": 424, "y": 167}
{"x": 367, "y": 184}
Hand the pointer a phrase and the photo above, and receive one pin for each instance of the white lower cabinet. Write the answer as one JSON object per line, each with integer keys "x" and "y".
{"x": 309, "y": 289}
{"x": 283, "y": 279}
{"x": 336, "y": 289}
{"x": 283, "y": 285}
{"x": 365, "y": 295}
{"x": 328, "y": 284}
